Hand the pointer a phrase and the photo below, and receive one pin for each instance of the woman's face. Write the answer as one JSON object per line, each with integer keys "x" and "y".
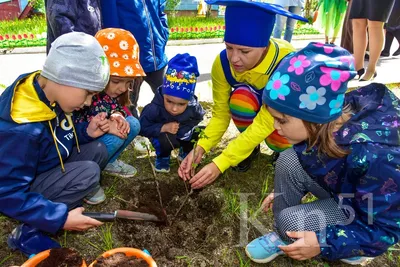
{"x": 243, "y": 58}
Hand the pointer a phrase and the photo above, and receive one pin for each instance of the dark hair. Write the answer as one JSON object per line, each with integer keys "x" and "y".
{"x": 124, "y": 99}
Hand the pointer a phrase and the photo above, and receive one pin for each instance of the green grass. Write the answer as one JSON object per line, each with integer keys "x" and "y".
{"x": 194, "y": 22}
{"x": 232, "y": 203}
{"x": 35, "y": 25}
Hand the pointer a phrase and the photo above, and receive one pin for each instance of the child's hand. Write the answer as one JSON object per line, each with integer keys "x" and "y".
{"x": 123, "y": 125}
{"x": 98, "y": 126}
{"x": 305, "y": 247}
{"x": 268, "y": 202}
{"x": 114, "y": 130}
{"x": 170, "y": 127}
{"x": 78, "y": 222}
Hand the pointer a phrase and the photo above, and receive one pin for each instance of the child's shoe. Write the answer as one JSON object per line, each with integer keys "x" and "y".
{"x": 363, "y": 261}
{"x": 265, "y": 248}
{"x": 162, "y": 164}
{"x": 121, "y": 169}
{"x": 30, "y": 240}
{"x": 97, "y": 198}
{"x": 182, "y": 155}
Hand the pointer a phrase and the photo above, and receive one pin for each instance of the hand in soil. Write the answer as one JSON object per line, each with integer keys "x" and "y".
{"x": 62, "y": 257}
{"x": 305, "y": 247}
{"x": 78, "y": 222}
{"x": 121, "y": 260}
{"x": 205, "y": 176}
{"x": 268, "y": 202}
{"x": 185, "y": 170}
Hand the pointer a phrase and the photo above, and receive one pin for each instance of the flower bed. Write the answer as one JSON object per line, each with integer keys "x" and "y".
{"x": 176, "y": 33}
{"x": 22, "y": 40}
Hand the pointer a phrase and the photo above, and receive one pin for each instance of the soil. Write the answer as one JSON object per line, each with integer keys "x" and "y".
{"x": 62, "y": 257}
{"x": 120, "y": 260}
{"x": 208, "y": 231}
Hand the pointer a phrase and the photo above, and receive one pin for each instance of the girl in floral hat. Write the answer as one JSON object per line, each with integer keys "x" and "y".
{"x": 126, "y": 74}
{"x": 346, "y": 152}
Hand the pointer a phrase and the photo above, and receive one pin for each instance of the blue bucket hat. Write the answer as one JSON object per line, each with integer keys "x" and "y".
{"x": 250, "y": 23}
{"x": 310, "y": 84}
{"x": 180, "y": 79}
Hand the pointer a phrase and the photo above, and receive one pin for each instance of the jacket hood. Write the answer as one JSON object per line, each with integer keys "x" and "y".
{"x": 22, "y": 102}
{"x": 376, "y": 117}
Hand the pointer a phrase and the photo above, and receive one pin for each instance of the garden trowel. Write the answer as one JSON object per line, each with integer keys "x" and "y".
{"x": 122, "y": 214}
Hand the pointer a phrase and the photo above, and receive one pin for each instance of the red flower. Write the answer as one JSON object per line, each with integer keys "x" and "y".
{"x": 177, "y": 29}
{"x": 215, "y": 28}
{"x": 13, "y": 37}
{"x": 7, "y": 36}
{"x": 186, "y": 29}
{"x": 32, "y": 36}
{"x": 191, "y": 29}
{"x": 172, "y": 29}
{"x": 196, "y": 29}
{"x": 182, "y": 29}
{"x": 1, "y": 38}
{"x": 25, "y": 36}
{"x": 219, "y": 27}
{"x": 201, "y": 29}
{"x": 223, "y": 27}
{"x": 205, "y": 28}
{"x": 19, "y": 36}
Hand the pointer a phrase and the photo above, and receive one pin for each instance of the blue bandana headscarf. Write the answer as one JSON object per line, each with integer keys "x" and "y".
{"x": 310, "y": 84}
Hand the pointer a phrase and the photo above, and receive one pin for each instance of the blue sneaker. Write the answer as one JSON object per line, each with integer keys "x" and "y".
{"x": 358, "y": 260}
{"x": 265, "y": 248}
{"x": 182, "y": 155}
{"x": 30, "y": 240}
{"x": 162, "y": 164}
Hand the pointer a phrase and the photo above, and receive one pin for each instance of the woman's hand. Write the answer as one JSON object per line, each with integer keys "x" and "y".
{"x": 305, "y": 247}
{"x": 98, "y": 126}
{"x": 78, "y": 222}
{"x": 205, "y": 176}
{"x": 185, "y": 170}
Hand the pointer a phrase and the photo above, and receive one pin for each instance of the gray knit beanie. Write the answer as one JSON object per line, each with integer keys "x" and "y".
{"x": 76, "y": 59}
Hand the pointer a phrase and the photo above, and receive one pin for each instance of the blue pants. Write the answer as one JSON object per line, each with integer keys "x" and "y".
{"x": 290, "y": 23}
{"x": 115, "y": 145}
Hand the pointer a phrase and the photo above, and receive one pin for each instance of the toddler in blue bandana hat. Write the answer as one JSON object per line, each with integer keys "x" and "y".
{"x": 169, "y": 120}
{"x": 346, "y": 152}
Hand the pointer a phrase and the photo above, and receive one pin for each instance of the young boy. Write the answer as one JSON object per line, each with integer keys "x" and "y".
{"x": 48, "y": 165}
{"x": 169, "y": 120}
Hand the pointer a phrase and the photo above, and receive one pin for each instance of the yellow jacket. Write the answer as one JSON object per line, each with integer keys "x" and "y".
{"x": 262, "y": 126}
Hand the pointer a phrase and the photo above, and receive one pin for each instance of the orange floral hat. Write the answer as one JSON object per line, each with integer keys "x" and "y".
{"x": 122, "y": 52}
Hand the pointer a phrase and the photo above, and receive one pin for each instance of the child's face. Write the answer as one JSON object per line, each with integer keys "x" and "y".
{"x": 175, "y": 105}
{"x": 71, "y": 98}
{"x": 244, "y": 58}
{"x": 118, "y": 85}
{"x": 291, "y": 128}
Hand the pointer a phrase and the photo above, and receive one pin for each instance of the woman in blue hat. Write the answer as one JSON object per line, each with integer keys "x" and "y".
{"x": 346, "y": 152}
{"x": 239, "y": 74}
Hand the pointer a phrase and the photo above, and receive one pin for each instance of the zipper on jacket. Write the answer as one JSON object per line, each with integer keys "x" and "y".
{"x": 151, "y": 34}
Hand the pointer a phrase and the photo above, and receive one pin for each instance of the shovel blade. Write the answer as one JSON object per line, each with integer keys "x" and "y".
{"x": 137, "y": 216}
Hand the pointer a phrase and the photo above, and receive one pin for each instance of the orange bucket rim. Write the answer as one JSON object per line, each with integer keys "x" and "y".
{"x": 128, "y": 252}
{"x": 41, "y": 256}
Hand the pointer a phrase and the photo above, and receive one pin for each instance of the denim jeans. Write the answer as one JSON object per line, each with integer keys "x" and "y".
{"x": 115, "y": 145}
{"x": 290, "y": 23}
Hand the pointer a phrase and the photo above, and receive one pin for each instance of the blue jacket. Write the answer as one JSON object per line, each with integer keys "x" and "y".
{"x": 71, "y": 16}
{"x": 369, "y": 175}
{"x": 154, "y": 116}
{"x": 146, "y": 20}
{"x": 27, "y": 149}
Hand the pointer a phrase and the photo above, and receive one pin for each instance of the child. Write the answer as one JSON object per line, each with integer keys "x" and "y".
{"x": 346, "y": 152}
{"x": 47, "y": 165}
{"x": 169, "y": 120}
{"x": 330, "y": 17}
{"x": 122, "y": 52}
